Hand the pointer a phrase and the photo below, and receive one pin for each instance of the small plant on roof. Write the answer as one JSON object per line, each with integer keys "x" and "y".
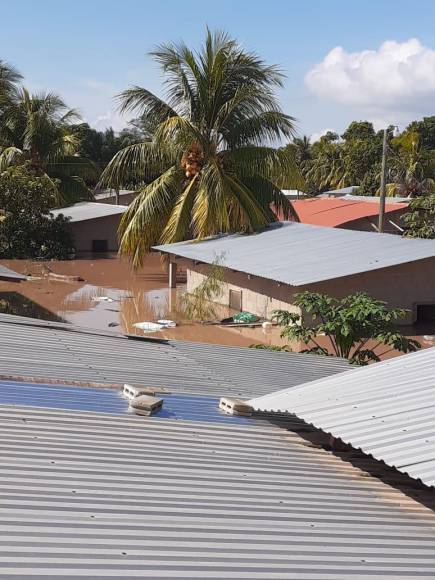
{"x": 351, "y": 326}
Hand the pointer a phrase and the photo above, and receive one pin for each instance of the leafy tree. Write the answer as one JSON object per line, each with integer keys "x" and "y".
{"x": 348, "y": 325}
{"x": 211, "y": 148}
{"x": 27, "y": 230}
{"x": 412, "y": 167}
{"x": 359, "y": 131}
{"x": 38, "y": 128}
{"x": 426, "y": 131}
{"x": 419, "y": 221}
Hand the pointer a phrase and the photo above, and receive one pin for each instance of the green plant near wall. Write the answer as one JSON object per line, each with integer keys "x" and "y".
{"x": 199, "y": 304}
{"x": 350, "y": 325}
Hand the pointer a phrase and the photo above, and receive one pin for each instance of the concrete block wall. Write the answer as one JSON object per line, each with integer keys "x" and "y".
{"x": 252, "y": 301}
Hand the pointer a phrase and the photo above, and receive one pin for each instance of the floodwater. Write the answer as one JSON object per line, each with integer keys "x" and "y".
{"x": 135, "y": 296}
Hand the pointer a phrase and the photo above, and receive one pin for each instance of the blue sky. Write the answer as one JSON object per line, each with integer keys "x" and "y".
{"x": 89, "y": 50}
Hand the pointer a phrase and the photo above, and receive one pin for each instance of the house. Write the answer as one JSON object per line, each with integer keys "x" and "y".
{"x": 10, "y": 276}
{"x": 94, "y": 225}
{"x": 352, "y": 214}
{"x": 264, "y": 271}
{"x": 124, "y": 197}
{"x": 90, "y": 490}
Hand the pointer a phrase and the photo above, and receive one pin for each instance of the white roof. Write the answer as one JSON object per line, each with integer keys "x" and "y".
{"x": 299, "y": 254}
{"x": 386, "y": 409}
{"x": 88, "y": 210}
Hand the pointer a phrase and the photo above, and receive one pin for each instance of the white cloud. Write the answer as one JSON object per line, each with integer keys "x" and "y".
{"x": 397, "y": 77}
{"x": 316, "y": 136}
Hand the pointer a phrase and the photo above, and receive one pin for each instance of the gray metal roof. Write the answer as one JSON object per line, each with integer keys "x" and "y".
{"x": 375, "y": 199}
{"x": 339, "y": 192}
{"x": 387, "y": 410}
{"x": 7, "y": 274}
{"x": 300, "y": 254}
{"x": 88, "y": 210}
{"x": 62, "y": 352}
{"x": 92, "y": 495}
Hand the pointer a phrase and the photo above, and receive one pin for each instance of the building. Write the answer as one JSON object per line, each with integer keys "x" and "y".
{"x": 10, "y": 276}
{"x": 124, "y": 196}
{"x": 352, "y": 214}
{"x": 89, "y": 490}
{"x": 264, "y": 271}
{"x": 94, "y": 225}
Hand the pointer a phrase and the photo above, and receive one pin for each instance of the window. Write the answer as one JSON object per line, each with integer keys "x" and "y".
{"x": 100, "y": 246}
{"x": 236, "y": 300}
{"x": 426, "y": 313}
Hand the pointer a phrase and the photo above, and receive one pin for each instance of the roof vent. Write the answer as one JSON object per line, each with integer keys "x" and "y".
{"x": 235, "y": 407}
{"x": 131, "y": 391}
{"x": 145, "y": 405}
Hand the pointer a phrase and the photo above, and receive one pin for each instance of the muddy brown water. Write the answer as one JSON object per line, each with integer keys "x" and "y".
{"x": 137, "y": 296}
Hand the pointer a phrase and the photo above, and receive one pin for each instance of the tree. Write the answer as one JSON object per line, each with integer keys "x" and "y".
{"x": 9, "y": 78}
{"x": 27, "y": 230}
{"x": 349, "y": 325}
{"x": 419, "y": 221}
{"x": 38, "y": 128}
{"x": 412, "y": 167}
{"x": 211, "y": 148}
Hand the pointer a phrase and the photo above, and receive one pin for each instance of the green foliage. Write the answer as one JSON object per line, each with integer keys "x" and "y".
{"x": 419, "y": 221}
{"x": 27, "y": 230}
{"x": 37, "y": 128}
{"x": 211, "y": 148}
{"x": 199, "y": 305}
{"x": 348, "y": 324}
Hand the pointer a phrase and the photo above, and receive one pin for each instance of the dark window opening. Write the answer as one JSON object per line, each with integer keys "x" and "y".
{"x": 236, "y": 300}
{"x": 100, "y": 246}
{"x": 426, "y": 313}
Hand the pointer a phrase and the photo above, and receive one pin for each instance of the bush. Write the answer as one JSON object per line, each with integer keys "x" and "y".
{"x": 27, "y": 229}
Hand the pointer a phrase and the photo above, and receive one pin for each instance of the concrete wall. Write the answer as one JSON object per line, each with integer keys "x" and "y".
{"x": 104, "y": 228}
{"x": 259, "y": 296}
{"x": 403, "y": 286}
{"x": 124, "y": 199}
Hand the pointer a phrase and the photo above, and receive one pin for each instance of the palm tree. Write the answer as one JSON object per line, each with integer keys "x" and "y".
{"x": 37, "y": 129}
{"x": 412, "y": 167}
{"x": 9, "y": 77}
{"x": 211, "y": 148}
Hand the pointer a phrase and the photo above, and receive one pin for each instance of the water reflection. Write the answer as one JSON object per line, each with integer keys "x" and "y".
{"x": 17, "y": 304}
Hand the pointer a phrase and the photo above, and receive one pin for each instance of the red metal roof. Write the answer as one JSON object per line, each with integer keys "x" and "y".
{"x": 334, "y": 212}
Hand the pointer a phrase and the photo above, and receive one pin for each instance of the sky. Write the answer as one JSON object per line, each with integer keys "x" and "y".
{"x": 343, "y": 60}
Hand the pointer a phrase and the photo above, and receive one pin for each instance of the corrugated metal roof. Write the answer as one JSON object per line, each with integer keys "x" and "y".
{"x": 334, "y": 212}
{"x": 88, "y": 210}
{"x": 88, "y": 495}
{"x": 300, "y": 254}
{"x": 341, "y": 191}
{"x": 386, "y": 410}
{"x": 7, "y": 274}
{"x": 375, "y": 199}
{"x": 57, "y": 351}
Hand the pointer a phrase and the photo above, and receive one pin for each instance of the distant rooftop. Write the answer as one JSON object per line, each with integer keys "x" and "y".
{"x": 10, "y": 275}
{"x": 339, "y": 192}
{"x": 88, "y": 210}
{"x": 376, "y": 198}
{"x": 334, "y": 212}
{"x": 111, "y": 193}
{"x": 311, "y": 253}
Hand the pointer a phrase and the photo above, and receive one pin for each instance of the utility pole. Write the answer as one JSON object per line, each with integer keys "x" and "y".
{"x": 381, "y": 221}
